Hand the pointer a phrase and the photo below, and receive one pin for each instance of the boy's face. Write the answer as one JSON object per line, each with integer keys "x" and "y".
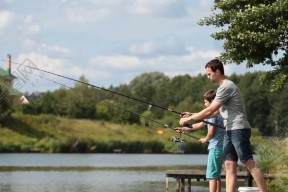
{"x": 206, "y": 103}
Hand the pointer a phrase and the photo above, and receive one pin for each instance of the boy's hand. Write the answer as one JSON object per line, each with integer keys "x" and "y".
{"x": 203, "y": 140}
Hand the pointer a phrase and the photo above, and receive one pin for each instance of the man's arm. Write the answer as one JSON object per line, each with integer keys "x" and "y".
{"x": 194, "y": 127}
{"x": 204, "y": 114}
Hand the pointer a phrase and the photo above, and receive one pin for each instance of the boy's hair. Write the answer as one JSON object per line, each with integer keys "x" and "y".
{"x": 215, "y": 64}
{"x": 209, "y": 95}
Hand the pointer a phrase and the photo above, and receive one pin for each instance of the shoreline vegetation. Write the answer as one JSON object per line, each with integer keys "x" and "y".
{"x": 91, "y": 168}
{"x": 22, "y": 133}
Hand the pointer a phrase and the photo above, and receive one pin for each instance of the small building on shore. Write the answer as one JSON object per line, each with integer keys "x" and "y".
{"x": 7, "y": 92}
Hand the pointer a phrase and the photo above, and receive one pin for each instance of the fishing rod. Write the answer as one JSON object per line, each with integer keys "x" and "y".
{"x": 117, "y": 93}
{"x": 173, "y": 139}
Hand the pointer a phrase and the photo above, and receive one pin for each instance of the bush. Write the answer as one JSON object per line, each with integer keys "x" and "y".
{"x": 195, "y": 148}
{"x": 272, "y": 158}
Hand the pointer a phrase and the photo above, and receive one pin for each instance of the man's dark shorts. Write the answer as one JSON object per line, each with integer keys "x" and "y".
{"x": 236, "y": 145}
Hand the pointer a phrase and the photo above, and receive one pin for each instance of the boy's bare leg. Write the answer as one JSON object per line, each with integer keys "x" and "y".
{"x": 218, "y": 185}
{"x": 212, "y": 185}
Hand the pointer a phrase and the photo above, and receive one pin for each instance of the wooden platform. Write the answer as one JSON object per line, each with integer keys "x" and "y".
{"x": 197, "y": 174}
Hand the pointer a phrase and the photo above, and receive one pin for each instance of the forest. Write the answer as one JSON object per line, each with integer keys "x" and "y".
{"x": 266, "y": 110}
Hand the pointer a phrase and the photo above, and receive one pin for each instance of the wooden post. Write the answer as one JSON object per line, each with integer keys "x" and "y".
{"x": 177, "y": 184}
{"x": 167, "y": 184}
{"x": 8, "y": 64}
{"x": 182, "y": 184}
{"x": 189, "y": 184}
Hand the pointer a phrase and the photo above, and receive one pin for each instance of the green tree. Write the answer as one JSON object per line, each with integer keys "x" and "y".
{"x": 61, "y": 104}
{"x": 5, "y": 109}
{"x": 147, "y": 87}
{"x": 255, "y": 32}
{"x": 48, "y": 103}
{"x": 256, "y": 99}
{"x": 102, "y": 111}
{"x": 82, "y": 100}
{"x": 278, "y": 118}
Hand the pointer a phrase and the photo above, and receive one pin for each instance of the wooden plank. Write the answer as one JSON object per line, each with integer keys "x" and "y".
{"x": 198, "y": 174}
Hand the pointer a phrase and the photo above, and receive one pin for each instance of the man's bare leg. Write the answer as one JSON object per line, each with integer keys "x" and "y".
{"x": 231, "y": 175}
{"x": 257, "y": 174}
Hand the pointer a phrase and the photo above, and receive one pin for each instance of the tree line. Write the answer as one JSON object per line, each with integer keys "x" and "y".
{"x": 266, "y": 110}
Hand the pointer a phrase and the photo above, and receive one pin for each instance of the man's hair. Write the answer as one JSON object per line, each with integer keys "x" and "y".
{"x": 209, "y": 95}
{"x": 215, "y": 64}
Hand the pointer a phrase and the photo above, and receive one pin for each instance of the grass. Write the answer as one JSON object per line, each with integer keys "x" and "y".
{"x": 22, "y": 133}
{"x": 59, "y": 127}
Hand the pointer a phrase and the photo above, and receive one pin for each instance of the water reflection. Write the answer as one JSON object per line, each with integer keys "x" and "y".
{"x": 89, "y": 180}
{"x": 51, "y": 181}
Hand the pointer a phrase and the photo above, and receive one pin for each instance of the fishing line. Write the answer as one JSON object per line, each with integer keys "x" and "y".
{"x": 174, "y": 139}
{"x": 114, "y": 92}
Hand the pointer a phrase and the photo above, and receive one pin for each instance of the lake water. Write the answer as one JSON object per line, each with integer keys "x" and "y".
{"x": 101, "y": 180}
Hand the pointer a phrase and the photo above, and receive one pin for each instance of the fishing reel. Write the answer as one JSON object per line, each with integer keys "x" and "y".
{"x": 177, "y": 139}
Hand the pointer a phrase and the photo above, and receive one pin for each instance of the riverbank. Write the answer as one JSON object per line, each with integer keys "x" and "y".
{"x": 53, "y": 134}
{"x": 91, "y": 168}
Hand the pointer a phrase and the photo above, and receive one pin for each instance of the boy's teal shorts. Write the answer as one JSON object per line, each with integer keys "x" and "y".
{"x": 214, "y": 164}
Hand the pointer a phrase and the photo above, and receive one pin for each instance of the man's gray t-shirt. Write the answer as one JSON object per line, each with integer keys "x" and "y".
{"x": 233, "y": 108}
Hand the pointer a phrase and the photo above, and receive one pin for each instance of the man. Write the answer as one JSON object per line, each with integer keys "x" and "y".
{"x": 236, "y": 142}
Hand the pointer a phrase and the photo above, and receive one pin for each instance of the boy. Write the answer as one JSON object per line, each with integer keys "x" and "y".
{"x": 215, "y": 138}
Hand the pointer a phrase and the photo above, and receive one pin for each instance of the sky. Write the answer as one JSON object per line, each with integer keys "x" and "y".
{"x": 110, "y": 42}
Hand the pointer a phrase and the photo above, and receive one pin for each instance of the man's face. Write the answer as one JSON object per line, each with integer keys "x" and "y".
{"x": 212, "y": 76}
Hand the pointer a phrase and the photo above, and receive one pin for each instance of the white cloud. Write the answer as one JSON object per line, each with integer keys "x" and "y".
{"x": 28, "y": 43}
{"x": 28, "y": 27}
{"x": 169, "y": 64}
{"x": 54, "y": 48}
{"x": 242, "y": 69}
{"x": 31, "y": 45}
{"x": 41, "y": 61}
{"x": 49, "y": 74}
{"x": 86, "y": 14}
{"x": 116, "y": 62}
{"x": 28, "y": 19}
{"x": 165, "y": 8}
{"x": 33, "y": 29}
{"x": 6, "y": 2}
{"x": 93, "y": 11}
{"x": 127, "y": 67}
{"x": 6, "y": 19}
{"x": 171, "y": 46}
{"x": 201, "y": 10}
{"x": 206, "y": 4}
{"x": 144, "y": 48}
